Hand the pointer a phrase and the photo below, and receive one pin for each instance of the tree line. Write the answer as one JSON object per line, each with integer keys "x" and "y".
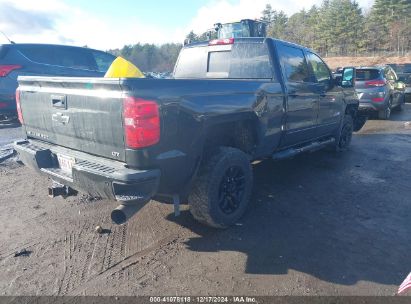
{"x": 342, "y": 28}
{"x": 151, "y": 57}
{"x": 334, "y": 28}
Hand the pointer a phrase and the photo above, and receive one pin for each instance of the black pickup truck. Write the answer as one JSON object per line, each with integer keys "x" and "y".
{"x": 191, "y": 138}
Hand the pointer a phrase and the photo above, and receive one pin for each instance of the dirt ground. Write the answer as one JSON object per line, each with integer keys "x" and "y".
{"x": 335, "y": 62}
{"x": 319, "y": 224}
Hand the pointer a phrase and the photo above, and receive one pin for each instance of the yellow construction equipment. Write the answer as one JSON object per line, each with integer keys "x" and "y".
{"x": 121, "y": 68}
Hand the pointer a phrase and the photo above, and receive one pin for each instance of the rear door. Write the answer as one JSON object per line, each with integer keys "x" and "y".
{"x": 302, "y": 96}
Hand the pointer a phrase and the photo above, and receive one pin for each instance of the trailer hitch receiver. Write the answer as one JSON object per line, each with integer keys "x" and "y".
{"x": 58, "y": 189}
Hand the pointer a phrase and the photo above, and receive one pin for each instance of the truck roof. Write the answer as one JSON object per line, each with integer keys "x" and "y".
{"x": 250, "y": 40}
{"x": 17, "y": 45}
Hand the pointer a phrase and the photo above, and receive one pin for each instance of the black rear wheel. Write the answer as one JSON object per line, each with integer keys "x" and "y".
{"x": 222, "y": 190}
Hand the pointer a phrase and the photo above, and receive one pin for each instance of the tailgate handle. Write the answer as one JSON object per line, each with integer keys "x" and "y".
{"x": 59, "y": 101}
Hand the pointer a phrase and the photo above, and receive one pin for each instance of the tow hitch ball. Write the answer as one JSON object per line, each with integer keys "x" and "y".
{"x": 58, "y": 189}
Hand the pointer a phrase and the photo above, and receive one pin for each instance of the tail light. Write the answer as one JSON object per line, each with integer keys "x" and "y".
{"x": 141, "y": 122}
{"x": 221, "y": 41}
{"x": 6, "y": 69}
{"x": 375, "y": 83}
{"x": 378, "y": 99}
{"x": 19, "y": 113}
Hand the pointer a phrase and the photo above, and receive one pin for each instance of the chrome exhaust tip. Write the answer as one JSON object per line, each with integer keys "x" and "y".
{"x": 123, "y": 213}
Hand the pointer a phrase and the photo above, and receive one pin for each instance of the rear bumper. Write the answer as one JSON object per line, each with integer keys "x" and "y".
{"x": 367, "y": 96}
{"x": 372, "y": 106}
{"x": 94, "y": 175}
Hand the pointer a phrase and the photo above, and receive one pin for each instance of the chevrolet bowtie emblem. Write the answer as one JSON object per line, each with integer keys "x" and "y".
{"x": 59, "y": 117}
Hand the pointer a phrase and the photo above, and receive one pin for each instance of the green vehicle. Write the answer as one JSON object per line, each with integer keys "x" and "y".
{"x": 243, "y": 28}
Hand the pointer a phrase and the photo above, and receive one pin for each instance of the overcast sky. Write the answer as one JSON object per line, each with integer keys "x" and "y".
{"x": 108, "y": 24}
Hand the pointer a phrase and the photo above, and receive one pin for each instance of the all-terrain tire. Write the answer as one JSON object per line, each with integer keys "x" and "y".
{"x": 222, "y": 190}
{"x": 343, "y": 140}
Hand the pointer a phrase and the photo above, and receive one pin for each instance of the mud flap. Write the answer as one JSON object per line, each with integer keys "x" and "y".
{"x": 360, "y": 121}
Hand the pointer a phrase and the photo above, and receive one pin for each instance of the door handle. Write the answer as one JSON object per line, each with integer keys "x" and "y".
{"x": 59, "y": 101}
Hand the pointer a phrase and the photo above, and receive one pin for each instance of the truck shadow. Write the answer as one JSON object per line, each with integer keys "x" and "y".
{"x": 331, "y": 216}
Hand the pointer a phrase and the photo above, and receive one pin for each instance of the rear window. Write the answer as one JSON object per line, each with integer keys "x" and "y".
{"x": 367, "y": 74}
{"x": 241, "y": 61}
{"x": 61, "y": 56}
{"x": 192, "y": 63}
{"x": 219, "y": 62}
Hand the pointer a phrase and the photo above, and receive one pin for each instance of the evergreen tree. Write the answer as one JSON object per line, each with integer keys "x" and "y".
{"x": 192, "y": 36}
{"x": 267, "y": 14}
{"x": 278, "y": 25}
{"x": 149, "y": 57}
{"x": 337, "y": 27}
{"x": 389, "y": 25}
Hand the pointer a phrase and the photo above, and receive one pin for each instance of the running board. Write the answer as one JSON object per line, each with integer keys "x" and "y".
{"x": 310, "y": 147}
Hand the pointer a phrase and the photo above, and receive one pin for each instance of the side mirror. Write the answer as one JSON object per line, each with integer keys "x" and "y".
{"x": 348, "y": 77}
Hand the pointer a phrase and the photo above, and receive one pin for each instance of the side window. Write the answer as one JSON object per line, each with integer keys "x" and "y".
{"x": 103, "y": 60}
{"x": 293, "y": 62}
{"x": 320, "y": 69}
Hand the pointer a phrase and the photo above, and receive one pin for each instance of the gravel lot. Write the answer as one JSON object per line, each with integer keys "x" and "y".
{"x": 320, "y": 224}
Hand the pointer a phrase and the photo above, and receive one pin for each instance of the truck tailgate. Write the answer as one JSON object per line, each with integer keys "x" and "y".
{"x": 83, "y": 114}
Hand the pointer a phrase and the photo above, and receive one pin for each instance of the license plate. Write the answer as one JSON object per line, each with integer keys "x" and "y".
{"x": 66, "y": 162}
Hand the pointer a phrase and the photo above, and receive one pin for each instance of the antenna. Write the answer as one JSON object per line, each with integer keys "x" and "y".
{"x": 12, "y": 42}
